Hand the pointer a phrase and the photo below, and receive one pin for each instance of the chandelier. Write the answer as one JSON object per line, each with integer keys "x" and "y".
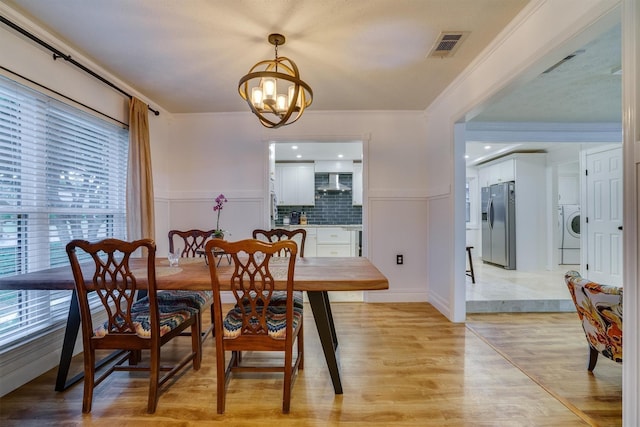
{"x": 261, "y": 86}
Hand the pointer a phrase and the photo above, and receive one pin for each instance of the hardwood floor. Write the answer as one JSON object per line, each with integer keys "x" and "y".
{"x": 545, "y": 348}
{"x": 402, "y": 364}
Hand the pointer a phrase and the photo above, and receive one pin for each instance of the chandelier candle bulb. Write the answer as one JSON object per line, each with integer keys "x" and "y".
{"x": 269, "y": 91}
{"x": 282, "y": 104}
{"x": 256, "y": 96}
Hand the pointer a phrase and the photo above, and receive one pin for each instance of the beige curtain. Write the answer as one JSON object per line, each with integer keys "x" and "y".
{"x": 140, "y": 200}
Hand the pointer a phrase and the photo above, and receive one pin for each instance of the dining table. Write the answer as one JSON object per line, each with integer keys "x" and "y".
{"x": 317, "y": 276}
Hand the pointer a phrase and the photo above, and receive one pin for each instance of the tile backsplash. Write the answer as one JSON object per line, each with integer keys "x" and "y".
{"x": 330, "y": 208}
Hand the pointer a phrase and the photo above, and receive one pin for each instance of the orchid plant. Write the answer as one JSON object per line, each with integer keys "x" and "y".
{"x": 217, "y": 207}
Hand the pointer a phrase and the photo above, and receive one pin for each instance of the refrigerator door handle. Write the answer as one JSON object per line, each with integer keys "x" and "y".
{"x": 490, "y": 209}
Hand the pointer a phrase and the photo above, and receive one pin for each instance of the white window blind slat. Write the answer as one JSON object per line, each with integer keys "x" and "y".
{"x": 62, "y": 176}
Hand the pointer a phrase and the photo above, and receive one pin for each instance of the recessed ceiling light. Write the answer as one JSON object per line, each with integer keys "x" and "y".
{"x": 294, "y": 147}
{"x": 466, "y": 156}
{"x": 298, "y": 156}
{"x": 487, "y": 147}
{"x": 340, "y": 156}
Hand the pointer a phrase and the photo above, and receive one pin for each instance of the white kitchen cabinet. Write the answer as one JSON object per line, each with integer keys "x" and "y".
{"x": 504, "y": 171}
{"x": 333, "y": 251}
{"x": 334, "y": 241}
{"x": 495, "y": 173}
{"x": 310, "y": 242}
{"x": 333, "y": 236}
{"x": 356, "y": 185}
{"x": 330, "y": 241}
{"x": 295, "y": 184}
{"x": 334, "y": 166}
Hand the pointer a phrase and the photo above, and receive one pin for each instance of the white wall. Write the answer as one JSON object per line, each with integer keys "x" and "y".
{"x": 227, "y": 153}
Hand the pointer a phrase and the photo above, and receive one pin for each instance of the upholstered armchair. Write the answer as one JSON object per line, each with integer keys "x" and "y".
{"x": 600, "y": 310}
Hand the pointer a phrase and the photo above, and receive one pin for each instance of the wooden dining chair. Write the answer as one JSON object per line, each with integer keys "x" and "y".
{"x": 299, "y": 236}
{"x": 278, "y": 234}
{"x": 190, "y": 245}
{"x": 255, "y": 323}
{"x": 132, "y": 325}
{"x": 190, "y": 242}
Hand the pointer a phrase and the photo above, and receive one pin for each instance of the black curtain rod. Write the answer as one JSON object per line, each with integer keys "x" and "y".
{"x": 58, "y": 54}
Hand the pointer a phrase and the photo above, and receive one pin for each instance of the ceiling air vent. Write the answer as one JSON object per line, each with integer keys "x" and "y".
{"x": 563, "y": 60}
{"x": 447, "y": 43}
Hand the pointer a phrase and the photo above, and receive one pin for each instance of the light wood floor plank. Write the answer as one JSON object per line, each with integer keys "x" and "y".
{"x": 402, "y": 365}
{"x": 557, "y": 361}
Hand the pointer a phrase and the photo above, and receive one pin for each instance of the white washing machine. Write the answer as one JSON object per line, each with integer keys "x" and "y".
{"x": 569, "y": 222}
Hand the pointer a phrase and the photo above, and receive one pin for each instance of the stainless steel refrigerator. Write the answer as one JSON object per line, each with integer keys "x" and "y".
{"x": 499, "y": 224}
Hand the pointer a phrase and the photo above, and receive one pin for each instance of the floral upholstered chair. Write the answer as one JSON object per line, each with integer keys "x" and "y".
{"x": 600, "y": 310}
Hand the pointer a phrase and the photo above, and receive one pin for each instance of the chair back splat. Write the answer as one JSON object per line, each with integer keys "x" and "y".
{"x": 277, "y": 234}
{"x": 189, "y": 241}
{"x": 132, "y": 324}
{"x": 266, "y": 316}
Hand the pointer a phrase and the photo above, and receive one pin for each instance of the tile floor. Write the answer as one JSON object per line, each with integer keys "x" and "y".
{"x": 500, "y": 290}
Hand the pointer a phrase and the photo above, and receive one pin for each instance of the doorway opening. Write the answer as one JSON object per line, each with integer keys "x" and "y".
{"x": 320, "y": 186}
{"x": 531, "y": 117}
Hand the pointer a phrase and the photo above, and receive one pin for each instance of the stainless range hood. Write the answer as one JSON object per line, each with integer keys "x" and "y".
{"x": 334, "y": 185}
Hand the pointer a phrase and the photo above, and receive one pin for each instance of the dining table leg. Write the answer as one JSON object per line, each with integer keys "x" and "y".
{"x": 69, "y": 343}
{"x": 70, "y": 336}
{"x": 321, "y": 308}
{"x": 334, "y": 336}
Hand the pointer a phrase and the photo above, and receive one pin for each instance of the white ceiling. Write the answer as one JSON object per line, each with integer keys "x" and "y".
{"x": 584, "y": 88}
{"x": 310, "y": 151}
{"x": 187, "y": 56}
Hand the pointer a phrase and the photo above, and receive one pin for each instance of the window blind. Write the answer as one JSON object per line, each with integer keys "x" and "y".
{"x": 62, "y": 177}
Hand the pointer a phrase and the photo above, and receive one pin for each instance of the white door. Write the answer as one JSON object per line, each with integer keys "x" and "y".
{"x": 603, "y": 216}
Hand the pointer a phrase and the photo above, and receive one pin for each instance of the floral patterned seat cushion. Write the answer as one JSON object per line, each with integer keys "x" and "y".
{"x": 171, "y": 316}
{"x": 600, "y": 310}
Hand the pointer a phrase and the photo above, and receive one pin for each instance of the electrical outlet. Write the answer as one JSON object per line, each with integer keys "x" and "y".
{"x": 399, "y": 259}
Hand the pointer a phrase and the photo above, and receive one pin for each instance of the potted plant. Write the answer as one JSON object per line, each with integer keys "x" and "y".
{"x": 217, "y": 207}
